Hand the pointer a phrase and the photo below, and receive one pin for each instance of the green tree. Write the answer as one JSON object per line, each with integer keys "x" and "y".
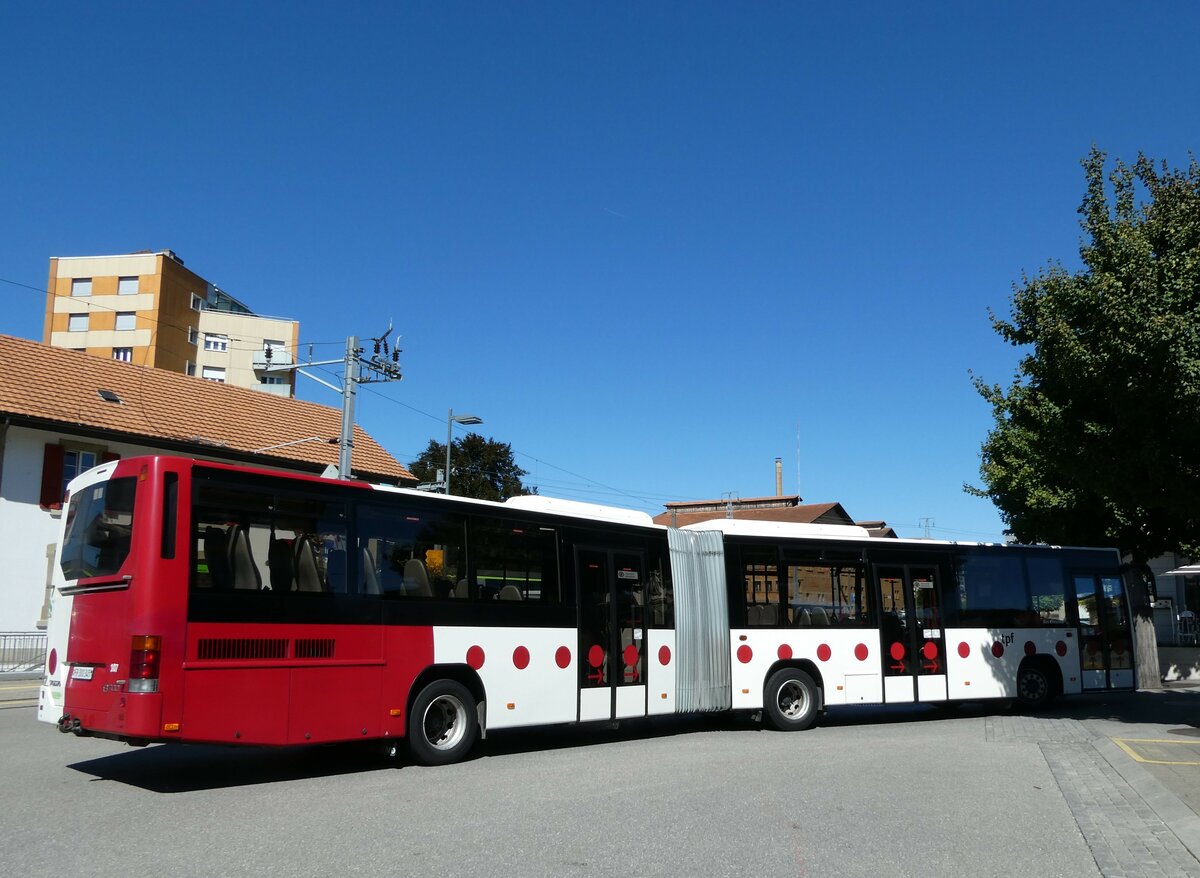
{"x": 1097, "y": 440}
{"x": 482, "y": 468}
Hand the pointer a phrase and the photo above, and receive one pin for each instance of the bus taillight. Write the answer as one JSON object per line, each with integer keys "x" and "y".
{"x": 144, "y": 656}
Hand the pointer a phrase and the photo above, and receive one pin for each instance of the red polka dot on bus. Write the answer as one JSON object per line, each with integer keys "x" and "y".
{"x": 596, "y": 655}
{"x": 897, "y": 651}
{"x": 521, "y": 658}
{"x": 1060, "y": 648}
{"x": 745, "y": 653}
{"x": 1030, "y": 648}
{"x": 630, "y": 655}
{"x": 52, "y": 662}
{"x": 784, "y": 651}
{"x": 997, "y": 649}
{"x": 929, "y": 650}
{"x": 664, "y": 655}
{"x": 824, "y": 652}
{"x": 964, "y": 649}
{"x": 861, "y": 652}
{"x": 475, "y": 657}
{"x": 562, "y": 657}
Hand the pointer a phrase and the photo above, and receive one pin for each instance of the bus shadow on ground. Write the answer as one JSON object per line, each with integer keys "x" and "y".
{"x": 195, "y": 767}
{"x": 182, "y": 768}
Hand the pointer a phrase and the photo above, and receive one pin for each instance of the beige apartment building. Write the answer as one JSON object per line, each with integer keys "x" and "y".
{"x": 148, "y": 308}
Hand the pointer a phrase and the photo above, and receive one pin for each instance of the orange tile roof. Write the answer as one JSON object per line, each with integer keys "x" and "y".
{"x": 60, "y": 389}
{"x": 809, "y": 513}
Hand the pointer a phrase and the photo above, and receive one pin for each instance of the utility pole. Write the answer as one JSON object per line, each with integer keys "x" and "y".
{"x": 385, "y": 367}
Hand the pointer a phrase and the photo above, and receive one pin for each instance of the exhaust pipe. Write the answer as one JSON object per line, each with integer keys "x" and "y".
{"x": 68, "y": 724}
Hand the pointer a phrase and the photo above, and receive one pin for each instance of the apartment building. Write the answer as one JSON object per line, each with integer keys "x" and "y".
{"x": 150, "y": 309}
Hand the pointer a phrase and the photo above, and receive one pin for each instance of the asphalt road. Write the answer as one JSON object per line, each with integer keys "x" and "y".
{"x": 901, "y": 791}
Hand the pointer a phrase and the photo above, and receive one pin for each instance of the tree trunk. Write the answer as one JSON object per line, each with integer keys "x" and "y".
{"x": 1138, "y": 582}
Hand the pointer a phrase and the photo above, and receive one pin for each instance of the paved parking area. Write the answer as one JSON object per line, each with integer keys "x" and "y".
{"x": 1097, "y": 785}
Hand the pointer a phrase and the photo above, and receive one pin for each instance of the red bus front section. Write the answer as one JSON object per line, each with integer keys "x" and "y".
{"x": 183, "y": 630}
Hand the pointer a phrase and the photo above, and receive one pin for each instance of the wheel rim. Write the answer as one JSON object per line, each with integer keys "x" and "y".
{"x": 792, "y": 700}
{"x": 445, "y": 722}
{"x": 1033, "y": 687}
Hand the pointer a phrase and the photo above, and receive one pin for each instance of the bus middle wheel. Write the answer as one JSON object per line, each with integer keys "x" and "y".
{"x": 443, "y": 724}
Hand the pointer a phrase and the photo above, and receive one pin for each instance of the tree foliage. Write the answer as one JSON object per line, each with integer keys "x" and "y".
{"x": 1097, "y": 440}
{"x": 482, "y": 468}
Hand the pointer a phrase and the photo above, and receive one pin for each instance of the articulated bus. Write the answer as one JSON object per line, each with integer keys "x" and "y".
{"x": 221, "y": 604}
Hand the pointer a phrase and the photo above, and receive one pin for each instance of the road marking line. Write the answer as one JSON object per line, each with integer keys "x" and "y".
{"x": 4, "y": 705}
{"x": 32, "y": 684}
{"x": 1124, "y": 742}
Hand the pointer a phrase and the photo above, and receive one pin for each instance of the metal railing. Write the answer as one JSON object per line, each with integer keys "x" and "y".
{"x": 22, "y": 651}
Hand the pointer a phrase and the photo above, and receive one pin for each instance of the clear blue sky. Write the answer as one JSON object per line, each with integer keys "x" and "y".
{"x": 654, "y": 246}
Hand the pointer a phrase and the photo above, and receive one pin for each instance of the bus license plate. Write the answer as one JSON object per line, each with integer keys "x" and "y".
{"x": 82, "y": 672}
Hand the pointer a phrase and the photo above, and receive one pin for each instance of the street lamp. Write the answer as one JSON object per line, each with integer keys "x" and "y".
{"x": 451, "y": 420}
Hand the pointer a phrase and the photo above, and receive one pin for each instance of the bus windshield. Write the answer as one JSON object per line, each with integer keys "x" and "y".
{"x": 98, "y": 529}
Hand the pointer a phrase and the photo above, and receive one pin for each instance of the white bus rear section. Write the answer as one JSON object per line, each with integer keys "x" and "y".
{"x": 58, "y": 625}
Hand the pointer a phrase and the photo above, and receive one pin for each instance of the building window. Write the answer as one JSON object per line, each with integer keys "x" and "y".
{"x": 193, "y": 335}
{"x": 189, "y": 368}
{"x": 77, "y": 323}
{"x": 126, "y": 320}
{"x": 60, "y": 464}
{"x": 213, "y": 342}
{"x": 270, "y": 379}
{"x": 127, "y": 286}
{"x": 213, "y": 373}
{"x": 81, "y": 286}
{"x": 197, "y": 303}
{"x": 125, "y": 355}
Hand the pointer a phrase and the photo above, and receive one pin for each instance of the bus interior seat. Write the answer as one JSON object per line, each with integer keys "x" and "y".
{"x": 283, "y": 570}
{"x": 241, "y": 560}
{"x": 820, "y": 619}
{"x": 216, "y": 557}
{"x": 803, "y": 619}
{"x": 416, "y": 579}
{"x": 308, "y": 578}
{"x": 370, "y": 583}
{"x": 462, "y": 589}
{"x": 510, "y": 593}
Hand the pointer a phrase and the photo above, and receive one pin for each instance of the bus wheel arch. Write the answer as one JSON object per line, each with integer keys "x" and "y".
{"x": 1039, "y": 680}
{"x": 793, "y": 695}
{"x": 445, "y": 714}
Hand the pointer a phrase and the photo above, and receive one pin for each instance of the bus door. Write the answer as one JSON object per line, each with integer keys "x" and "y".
{"x": 1105, "y": 645}
{"x": 912, "y": 640}
{"x": 612, "y": 633}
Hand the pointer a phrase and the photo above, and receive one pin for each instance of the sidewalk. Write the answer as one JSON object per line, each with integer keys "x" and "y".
{"x": 19, "y": 690}
{"x": 1128, "y": 766}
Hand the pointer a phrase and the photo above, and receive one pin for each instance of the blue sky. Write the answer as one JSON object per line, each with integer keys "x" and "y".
{"x": 655, "y": 246}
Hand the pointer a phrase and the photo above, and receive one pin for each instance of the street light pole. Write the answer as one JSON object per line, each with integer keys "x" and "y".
{"x": 451, "y": 420}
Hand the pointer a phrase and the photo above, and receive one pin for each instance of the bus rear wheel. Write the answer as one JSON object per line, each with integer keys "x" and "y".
{"x": 790, "y": 700}
{"x": 1034, "y": 689}
{"x": 443, "y": 724}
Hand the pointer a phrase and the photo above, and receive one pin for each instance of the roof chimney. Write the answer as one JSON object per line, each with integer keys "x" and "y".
{"x": 778, "y": 477}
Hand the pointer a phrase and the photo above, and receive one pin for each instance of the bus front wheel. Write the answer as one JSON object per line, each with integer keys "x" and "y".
{"x": 791, "y": 700}
{"x": 443, "y": 724}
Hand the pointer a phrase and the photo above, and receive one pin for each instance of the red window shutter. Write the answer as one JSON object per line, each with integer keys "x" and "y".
{"x": 52, "y": 476}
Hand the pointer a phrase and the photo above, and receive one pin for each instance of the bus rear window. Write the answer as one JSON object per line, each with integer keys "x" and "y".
{"x": 98, "y": 530}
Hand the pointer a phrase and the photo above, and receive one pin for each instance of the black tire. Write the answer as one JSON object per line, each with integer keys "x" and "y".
{"x": 1034, "y": 688}
{"x": 791, "y": 700}
{"x": 443, "y": 724}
